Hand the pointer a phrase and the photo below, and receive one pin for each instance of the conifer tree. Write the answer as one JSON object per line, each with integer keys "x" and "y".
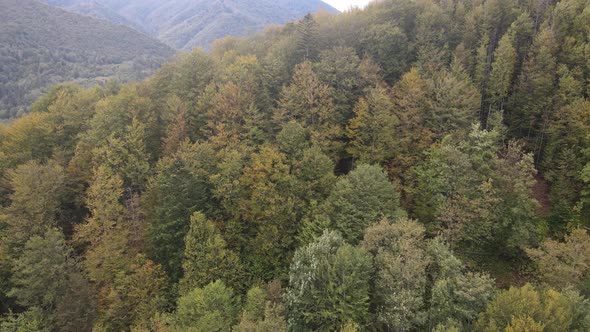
{"x": 532, "y": 100}
{"x": 307, "y": 38}
{"x": 502, "y": 72}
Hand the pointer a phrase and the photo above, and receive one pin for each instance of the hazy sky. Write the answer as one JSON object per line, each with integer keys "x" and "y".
{"x": 345, "y": 4}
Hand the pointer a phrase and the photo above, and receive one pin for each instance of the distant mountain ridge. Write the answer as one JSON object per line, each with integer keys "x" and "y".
{"x": 41, "y": 46}
{"x": 184, "y": 24}
{"x": 93, "y": 9}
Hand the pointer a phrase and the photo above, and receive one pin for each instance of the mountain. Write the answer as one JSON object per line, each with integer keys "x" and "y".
{"x": 41, "y": 46}
{"x": 185, "y": 24}
{"x": 94, "y": 9}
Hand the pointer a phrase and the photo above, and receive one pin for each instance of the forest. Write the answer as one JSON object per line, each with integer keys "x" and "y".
{"x": 418, "y": 165}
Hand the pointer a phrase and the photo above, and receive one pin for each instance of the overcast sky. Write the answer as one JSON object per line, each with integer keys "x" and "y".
{"x": 345, "y": 4}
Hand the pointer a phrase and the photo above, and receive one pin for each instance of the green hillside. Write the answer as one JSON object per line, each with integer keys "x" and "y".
{"x": 41, "y": 46}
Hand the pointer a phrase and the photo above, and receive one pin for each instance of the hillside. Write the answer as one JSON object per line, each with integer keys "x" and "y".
{"x": 41, "y": 46}
{"x": 94, "y": 9}
{"x": 196, "y": 23}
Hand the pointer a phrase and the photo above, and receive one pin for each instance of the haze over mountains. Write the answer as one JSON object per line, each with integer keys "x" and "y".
{"x": 41, "y": 46}
{"x": 185, "y": 24}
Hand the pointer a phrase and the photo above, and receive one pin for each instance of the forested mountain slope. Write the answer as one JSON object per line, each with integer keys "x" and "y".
{"x": 94, "y": 9}
{"x": 370, "y": 171}
{"x": 197, "y": 23}
{"x": 41, "y": 46}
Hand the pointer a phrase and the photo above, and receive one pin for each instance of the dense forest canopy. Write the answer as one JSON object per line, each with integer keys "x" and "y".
{"x": 414, "y": 166}
{"x": 41, "y": 46}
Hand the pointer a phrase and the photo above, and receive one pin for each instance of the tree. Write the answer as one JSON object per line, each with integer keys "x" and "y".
{"x": 502, "y": 73}
{"x": 127, "y": 156}
{"x": 233, "y": 115}
{"x": 315, "y": 175}
{"x": 328, "y": 285}
{"x": 135, "y": 296}
{"x": 260, "y": 314}
{"x": 372, "y": 131}
{"x": 28, "y": 321}
{"x": 419, "y": 283}
{"x": 477, "y": 194}
{"x": 525, "y": 306}
{"x": 255, "y": 304}
{"x": 519, "y": 222}
{"x": 339, "y": 68}
{"x": 131, "y": 118}
{"x": 206, "y": 258}
{"x": 179, "y": 187}
{"x": 105, "y": 230}
{"x": 457, "y": 296}
{"x": 525, "y": 323}
{"x": 455, "y": 102}
{"x": 400, "y": 280}
{"x": 564, "y": 157}
{"x": 38, "y": 192}
{"x": 563, "y": 264}
{"x": 247, "y": 73}
{"x": 532, "y": 100}
{"x": 28, "y": 138}
{"x": 360, "y": 199}
{"x": 178, "y": 127}
{"x": 411, "y": 98}
{"x": 211, "y": 308}
{"x": 307, "y": 41}
{"x": 292, "y": 140}
{"x": 46, "y": 277}
{"x": 309, "y": 101}
{"x": 389, "y": 46}
{"x": 272, "y": 209}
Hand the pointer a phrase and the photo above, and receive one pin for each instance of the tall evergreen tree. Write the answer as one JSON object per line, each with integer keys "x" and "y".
{"x": 502, "y": 73}
{"x": 307, "y": 38}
